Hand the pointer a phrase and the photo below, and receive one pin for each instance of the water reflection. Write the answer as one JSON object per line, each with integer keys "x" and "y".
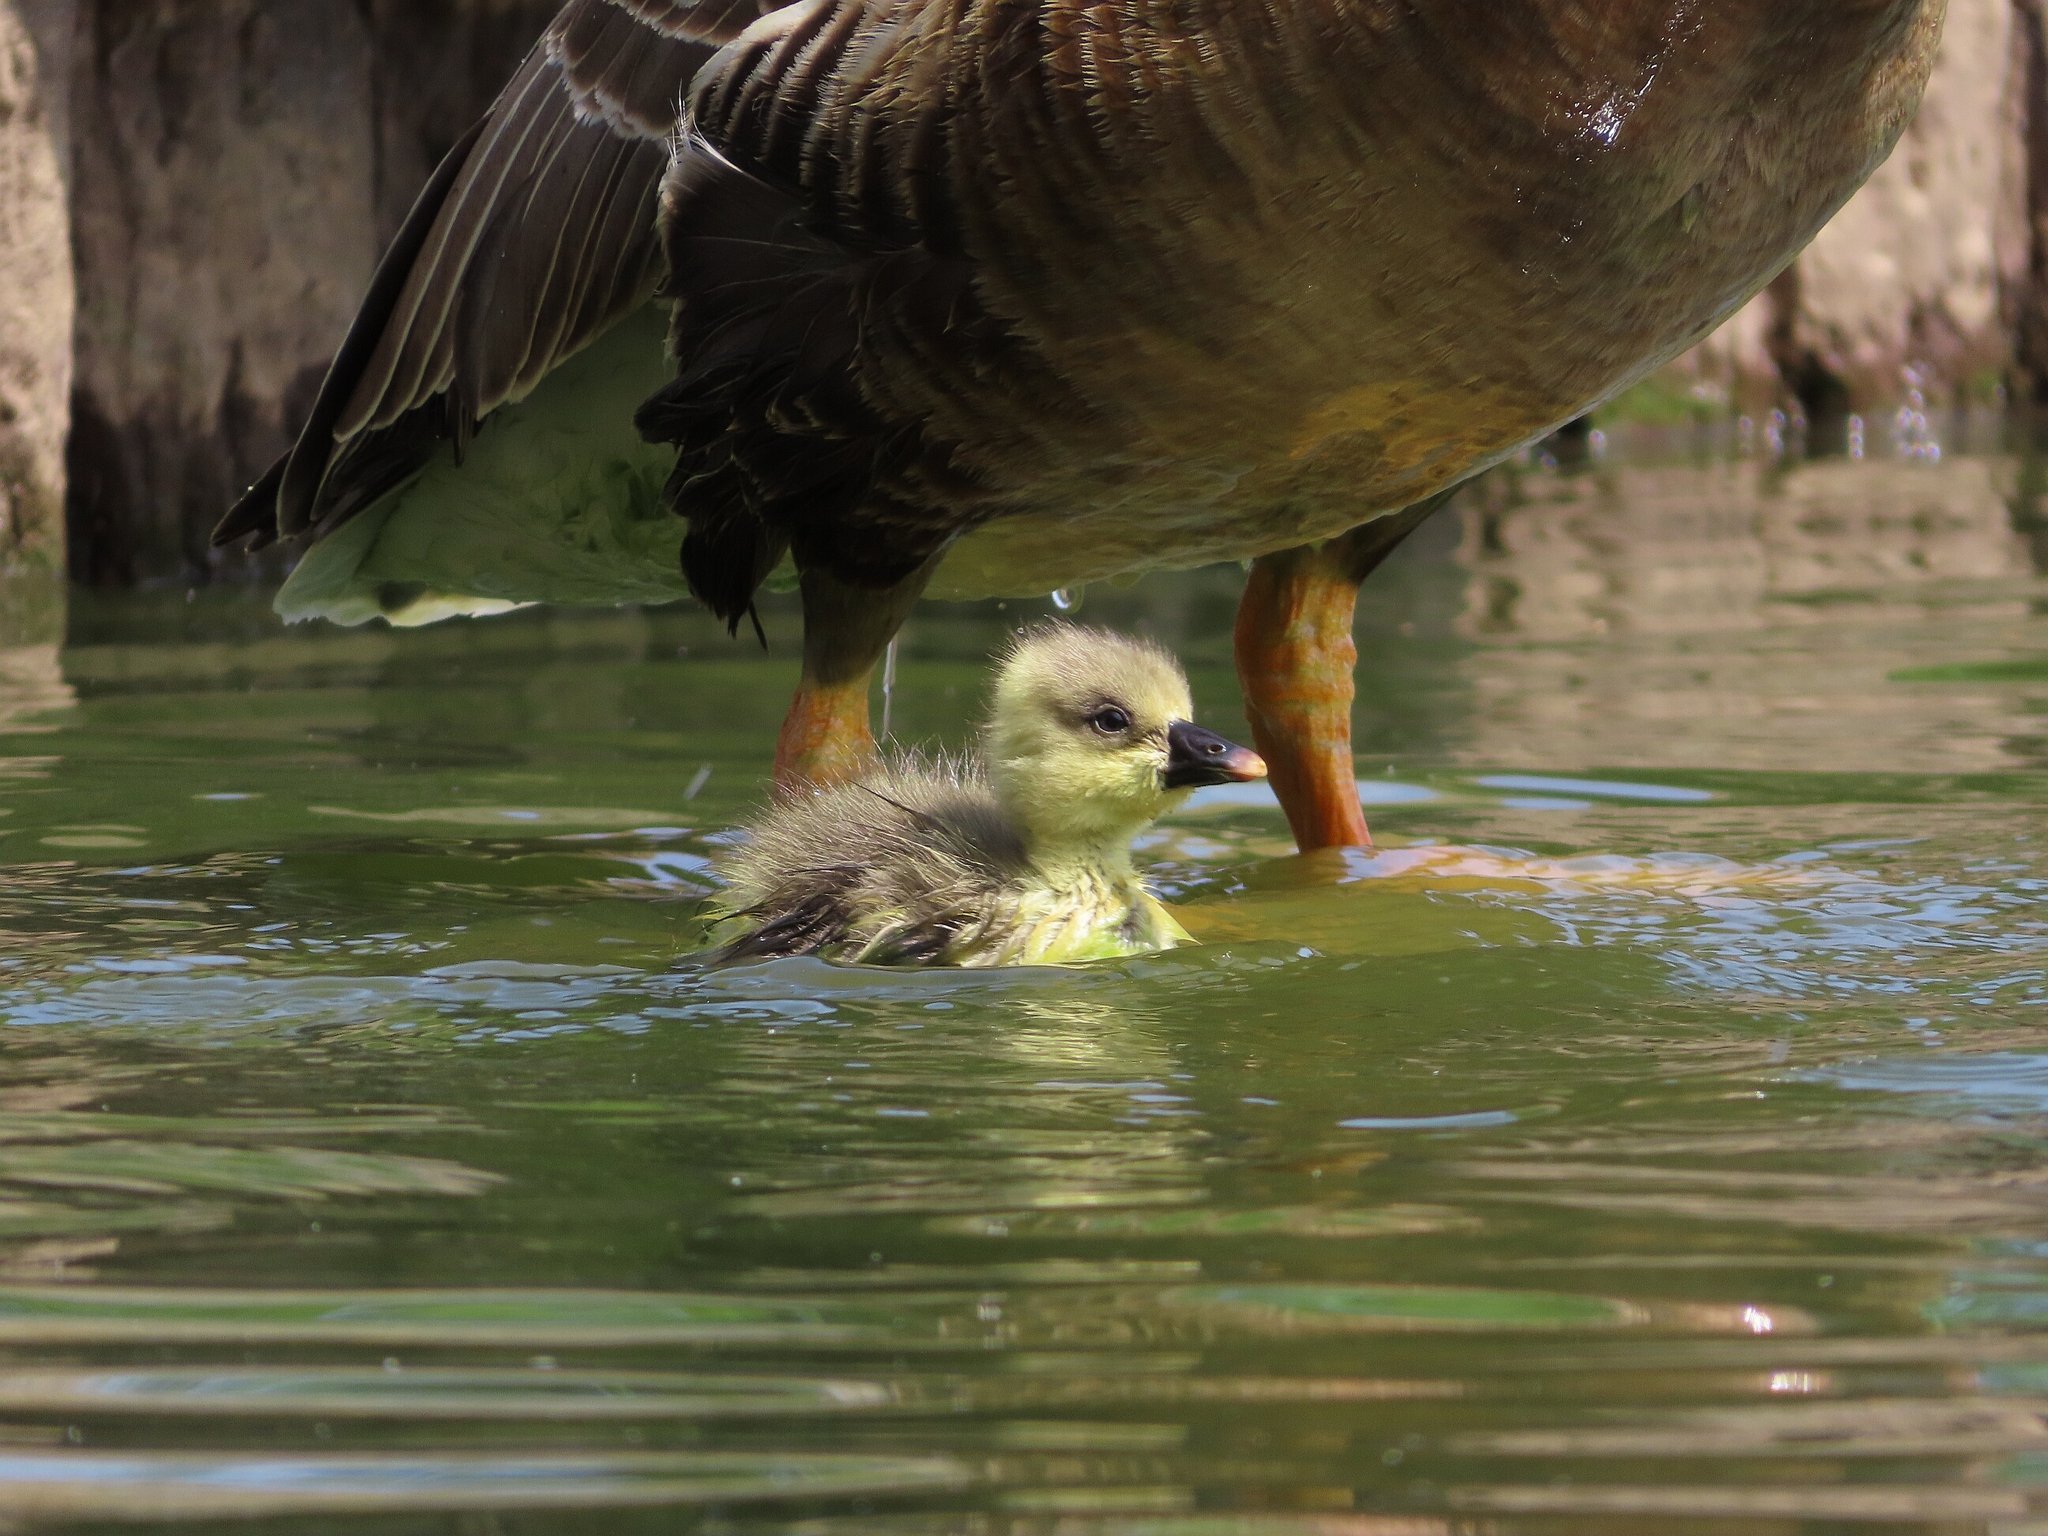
{"x": 1647, "y": 1133}
{"x": 32, "y": 687}
{"x": 1744, "y": 545}
{"x": 72, "y": 1486}
{"x": 1727, "y": 615}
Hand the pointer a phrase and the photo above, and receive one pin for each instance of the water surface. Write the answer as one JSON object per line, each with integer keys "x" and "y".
{"x": 1647, "y": 1138}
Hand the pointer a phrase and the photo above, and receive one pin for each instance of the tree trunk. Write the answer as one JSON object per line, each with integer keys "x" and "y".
{"x": 246, "y": 164}
{"x": 2027, "y": 307}
{"x": 35, "y": 280}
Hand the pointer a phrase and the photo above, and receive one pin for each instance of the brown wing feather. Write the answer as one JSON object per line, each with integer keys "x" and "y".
{"x": 714, "y": 19}
{"x": 535, "y": 237}
{"x": 603, "y": 75}
{"x": 809, "y": 238}
{"x": 259, "y": 515}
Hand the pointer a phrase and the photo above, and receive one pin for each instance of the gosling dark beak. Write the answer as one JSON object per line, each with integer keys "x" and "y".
{"x": 1196, "y": 756}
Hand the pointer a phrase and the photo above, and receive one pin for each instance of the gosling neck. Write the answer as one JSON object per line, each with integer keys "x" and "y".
{"x": 1073, "y": 857}
{"x": 1068, "y": 839}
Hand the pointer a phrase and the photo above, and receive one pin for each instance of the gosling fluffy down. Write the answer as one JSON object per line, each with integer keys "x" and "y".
{"x": 1019, "y": 855}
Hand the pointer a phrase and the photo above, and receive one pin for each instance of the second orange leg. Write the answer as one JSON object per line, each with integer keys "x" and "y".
{"x": 1296, "y": 662}
{"x": 1295, "y": 659}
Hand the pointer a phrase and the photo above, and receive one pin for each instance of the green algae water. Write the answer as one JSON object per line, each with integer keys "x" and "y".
{"x": 1651, "y": 1136}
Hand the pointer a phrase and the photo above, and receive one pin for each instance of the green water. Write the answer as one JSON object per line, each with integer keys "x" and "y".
{"x": 1650, "y": 1138}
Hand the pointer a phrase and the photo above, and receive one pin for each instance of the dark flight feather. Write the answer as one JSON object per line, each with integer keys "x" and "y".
{"x": 534, "y": 237}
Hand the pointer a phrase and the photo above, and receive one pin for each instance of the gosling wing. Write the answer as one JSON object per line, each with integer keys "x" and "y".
{"x": 904, "y": 869}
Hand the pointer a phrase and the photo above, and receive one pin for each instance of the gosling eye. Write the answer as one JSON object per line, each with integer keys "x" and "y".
{"x": 1110, "y": 720}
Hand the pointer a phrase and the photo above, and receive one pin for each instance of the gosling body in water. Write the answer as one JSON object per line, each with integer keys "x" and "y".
{"x": 1020, "y": 855}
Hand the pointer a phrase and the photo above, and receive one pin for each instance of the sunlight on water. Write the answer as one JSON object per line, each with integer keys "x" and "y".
{"x": 1648, "y": 1134}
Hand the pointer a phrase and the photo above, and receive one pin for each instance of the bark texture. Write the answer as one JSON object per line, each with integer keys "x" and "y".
{"x": 1912, "y": 293}
{"x": 247, "y": 162}
{"x": 35, "y": 275}
{"x": 2027, "y": 306}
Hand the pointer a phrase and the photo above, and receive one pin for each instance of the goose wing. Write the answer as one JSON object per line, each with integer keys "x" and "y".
{"x": 829, "y": 313}
{"x": 533, "y": 238}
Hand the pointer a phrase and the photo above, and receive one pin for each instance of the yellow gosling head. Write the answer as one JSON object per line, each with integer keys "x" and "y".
{"x": 1090, "y": 739}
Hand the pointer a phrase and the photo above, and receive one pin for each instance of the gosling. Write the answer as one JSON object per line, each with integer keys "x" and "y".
{"x": 1020, "y": 855}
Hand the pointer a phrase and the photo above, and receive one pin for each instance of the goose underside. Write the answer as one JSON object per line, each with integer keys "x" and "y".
{"x": 638, "y": 471}
{"x": 554, "y": 501}
{"x": 558, "y": 501}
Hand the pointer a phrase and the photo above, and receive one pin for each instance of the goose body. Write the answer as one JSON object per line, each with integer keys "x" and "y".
{"x": 994, "y": 296}
{"x": 1020, "y": 855}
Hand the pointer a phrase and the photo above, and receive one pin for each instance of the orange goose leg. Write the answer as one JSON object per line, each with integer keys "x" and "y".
{"x": 826, "y": 737}
{"x": 1295, "y": 659}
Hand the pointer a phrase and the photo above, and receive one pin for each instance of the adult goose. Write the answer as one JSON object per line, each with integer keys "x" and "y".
{"x": 978, "y": 297}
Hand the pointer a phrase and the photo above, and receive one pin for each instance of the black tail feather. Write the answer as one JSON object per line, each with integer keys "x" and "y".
{"x": 306, "y": 467}
{"x": 254, "y": 517}
{"x": 727, "y": 554}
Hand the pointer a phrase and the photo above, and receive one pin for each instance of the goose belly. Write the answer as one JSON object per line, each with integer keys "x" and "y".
{"x": 556, "y": 501}
{"x": 1420, "y": 281}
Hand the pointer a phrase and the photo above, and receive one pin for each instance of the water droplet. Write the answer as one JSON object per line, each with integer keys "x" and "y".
{"x": 1069, "y": 599}
{"x": 888, "y": 687}
{"x": 1913, "y": 434}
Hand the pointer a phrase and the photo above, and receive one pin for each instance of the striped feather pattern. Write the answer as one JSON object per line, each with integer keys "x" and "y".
{"x": 535, "y": 237}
